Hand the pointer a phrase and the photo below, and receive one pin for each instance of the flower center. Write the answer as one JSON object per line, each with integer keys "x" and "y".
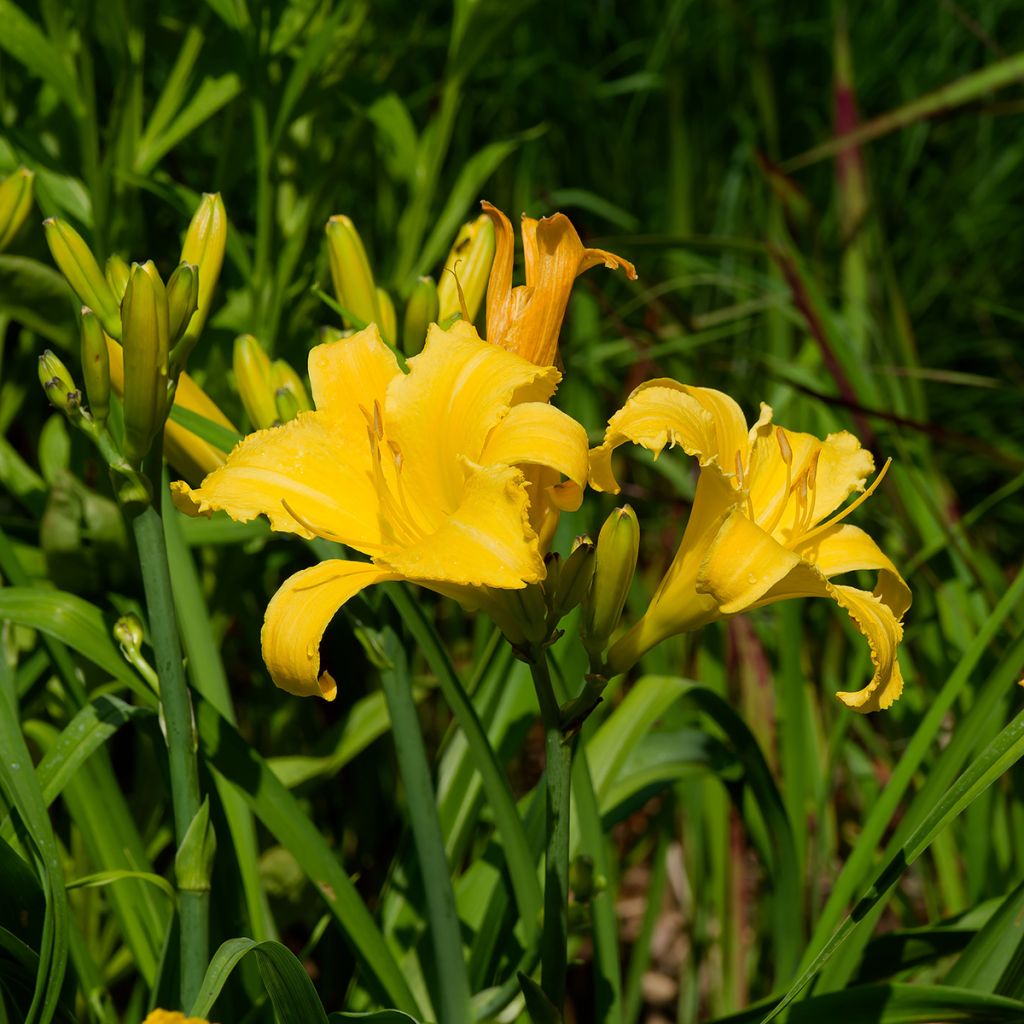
{"x": 802, "y": 491}
{"x": 397, "y": 516}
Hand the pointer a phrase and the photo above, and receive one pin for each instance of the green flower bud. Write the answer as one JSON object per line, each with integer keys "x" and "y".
{"x": 254, "y": 379}
{"x": 58, "y": 383}
{"x": 117, "y": 274}
{"x": 128, "y": 634}
{"x": 205, "y": 242}
{"x": 468, "y": 266}
{"x": 182, "y": 302}
{"x": 618, "y": 545}
{"x": 420, "y": 312}
{"x": 146, "y": 347}
{"x": 287, "y": 406}
{"x": 283, "y": 376}
{"x": 351, "y": 273}
{"x": 95, "y": 366}
{"x": 193, "y": 863}
{"x": 387, "y": 320}
{"x": 575, "y": 577}
{"x": 79, "y": 266}
{"x": 15, "y": 203}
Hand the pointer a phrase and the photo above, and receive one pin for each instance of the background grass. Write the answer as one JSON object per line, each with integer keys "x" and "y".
{"x": 884, "y": 300}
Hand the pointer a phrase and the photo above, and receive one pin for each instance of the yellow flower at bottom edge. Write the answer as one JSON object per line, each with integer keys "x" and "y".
{"x": 172, "y": 1017}
{"x": 762, "y": 528}
{"x": 420, "y": 471}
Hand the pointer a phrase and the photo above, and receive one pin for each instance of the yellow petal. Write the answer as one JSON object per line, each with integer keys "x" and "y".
{"x": 843, "y": 466}
{"x": 538, "y": 434}
{"x": 350, "y": 372}
{"x": 843, "y": 548}
{"x": 499, "y": 285}
{"x": 298, "y": 615}
{"x": 703, "y": 422}
{"x": 883, "y": 631}
{"x": 486, "y": 541}
{"x": 311, "y": 464}
{"x": 441, "y": 414}
{"x": 742, "y": 563}
{"x": 873, "y": 616}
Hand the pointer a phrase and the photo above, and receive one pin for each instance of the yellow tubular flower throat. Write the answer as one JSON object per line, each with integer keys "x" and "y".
{"x": 420, "y": 471}
{"x": 764, "y": 525}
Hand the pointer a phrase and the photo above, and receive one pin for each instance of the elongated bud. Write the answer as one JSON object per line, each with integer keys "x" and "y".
{"x": 95, "y": 366}
{"x": 58, "y": 383}
{"x": 15, "y": 203}
{"x": 575, "y": 577}
{"x": 146, "y": 346}
{"x": 420, "y": 312}
{"x": 79, "y": 266}
{"x": 468, "y": 266}
{"x": 351, "y": 273}
{"x": 117, "y": 273}
{"x": 182, "y": 300}
{"x": 254, "y": 379}
{"x": 618, "y": 545}
{"x": 205, "y": 242}
{"x": 287, "y": 406}
{"x": 387, "y": 320}
{"x": 530, "y": 610}
{"x": 283, "y": 376}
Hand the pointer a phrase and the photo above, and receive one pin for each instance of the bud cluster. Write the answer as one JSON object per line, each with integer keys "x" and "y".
{"x": 157, "y": 323}
{"x": 458, "y": 294}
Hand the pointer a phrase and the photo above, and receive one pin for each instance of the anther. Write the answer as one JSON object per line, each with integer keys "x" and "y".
{"x": 740, "y": 479}
{"x": 396, "y": 454}
{"x": 378, "y": 420}
{"x": 784, "y": 448}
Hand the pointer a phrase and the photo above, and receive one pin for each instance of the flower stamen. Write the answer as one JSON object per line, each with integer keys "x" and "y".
{"x": 741, "y": 480}
{"x": 839, "y": 516}
{"x": 787, "y": 457}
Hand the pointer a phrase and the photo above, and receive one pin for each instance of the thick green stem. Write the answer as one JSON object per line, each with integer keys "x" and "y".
{"x": 557, "y": 775}
{"x": 147, "y": 527}
{"x": 452, "y": 978}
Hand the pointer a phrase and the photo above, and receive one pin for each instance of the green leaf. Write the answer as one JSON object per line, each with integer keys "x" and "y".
{"x": 103, "y": 878}
{"x": 233, "y": 758}
{"x": 373, "y": 1017}
{"x": 27, "y": 44}
{"x": 79, "y": 740}
{"x": 538, "y": 1006}
{"x": 996, "y": 758}
{"x": 212, "y": 94}
{"x": 74, "y": 622}
{"x": 287, "y": 983}
{"x": 990, "y": 963}
{"x": 20, "y": 789}
{"x": 206, "y": 429}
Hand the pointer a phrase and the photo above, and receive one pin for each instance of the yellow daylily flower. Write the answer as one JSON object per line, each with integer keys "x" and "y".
{"x": 419, "y": 471}
{"x": 527, "y": 319}
{"x": 172, "y": 1017}
{"x": 763, "y": 528}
